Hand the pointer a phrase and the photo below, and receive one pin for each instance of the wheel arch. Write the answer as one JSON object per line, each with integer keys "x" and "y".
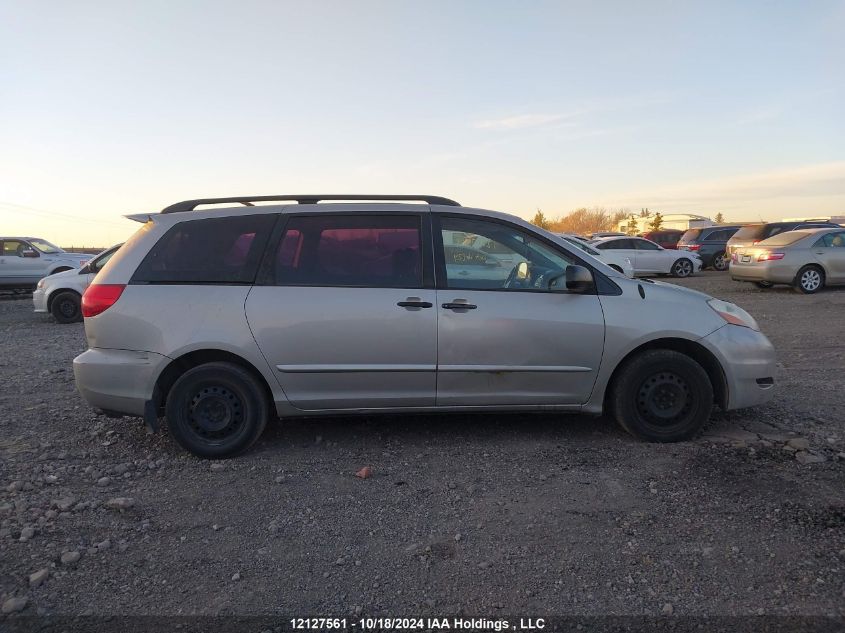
{"x": 696, "y": 351}
{"x": 59, "y": 269}
{"x": 178, "y": 366}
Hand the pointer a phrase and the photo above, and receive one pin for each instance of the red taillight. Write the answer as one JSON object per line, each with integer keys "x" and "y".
{"x": 100, "y": 297}
{"x": 692, "y": 247}
{"x": 734, "y": 256}
{"x": 767, "y": 257}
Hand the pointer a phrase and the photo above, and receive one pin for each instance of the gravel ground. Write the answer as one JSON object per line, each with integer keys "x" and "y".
{"x": 485, "y": 514}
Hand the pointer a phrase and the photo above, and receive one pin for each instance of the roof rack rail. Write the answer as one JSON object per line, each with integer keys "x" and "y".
{"x": 190, "y": 205}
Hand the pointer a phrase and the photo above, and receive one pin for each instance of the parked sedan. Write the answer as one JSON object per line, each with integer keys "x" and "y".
{"x": 60, "y": 294}
{"x": 808, "y": 260}
{"x": 617, "y": 261}
{"x": 651, "y": 259}
{"x": 753, "y": 234}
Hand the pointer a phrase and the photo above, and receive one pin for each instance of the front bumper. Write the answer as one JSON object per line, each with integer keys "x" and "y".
{"x": 748, "y": 361}
{"x": 117, "y": 380}
{"x": 39, "y": 300}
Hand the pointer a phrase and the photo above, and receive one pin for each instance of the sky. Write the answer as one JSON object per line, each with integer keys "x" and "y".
{"x": 117, "y": 107}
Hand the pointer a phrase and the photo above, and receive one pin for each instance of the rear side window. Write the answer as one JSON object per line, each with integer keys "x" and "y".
{"x": 616, "y": 245}
{"x": 750, "y": 232}
{"x": 721, "y": 236}
{"x": 208, "y": 251}
{"x": 359, "y": 251}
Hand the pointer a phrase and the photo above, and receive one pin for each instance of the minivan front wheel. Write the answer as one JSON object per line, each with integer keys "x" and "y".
{"x": 662, "y": 396}
{"x": 216, "y": 410}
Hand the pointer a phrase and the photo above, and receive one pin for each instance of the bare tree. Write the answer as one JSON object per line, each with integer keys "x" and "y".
{"x": 585, "y": 221}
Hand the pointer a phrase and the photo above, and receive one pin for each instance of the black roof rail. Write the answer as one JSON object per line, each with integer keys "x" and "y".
{"x": 190, "y": 205}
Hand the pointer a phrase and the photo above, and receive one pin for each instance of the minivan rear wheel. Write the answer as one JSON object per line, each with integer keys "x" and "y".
{"x": 662, "y": 396}
{"x": 216, "y": 410}
{"x": 721, "y": 261}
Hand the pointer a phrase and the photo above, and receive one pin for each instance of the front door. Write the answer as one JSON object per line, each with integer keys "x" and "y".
{"x": 650, "y": 257}
{"x": 503, "y": 337}
{"x": 346, "y": 317}
{"x": 830, "y": 251}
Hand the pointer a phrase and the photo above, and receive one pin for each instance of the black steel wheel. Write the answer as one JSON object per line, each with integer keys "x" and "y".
{"x": 662, "y": 396}
{"x": 217, "y": 410}
{"x": 66, "y": 307}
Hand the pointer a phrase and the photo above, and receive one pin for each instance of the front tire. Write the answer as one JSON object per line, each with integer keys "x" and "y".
{"x": 66, "y": 307}
{"x": 721, "y": 261}
{"x": 662, "y": 396}
{"x": 217, "y": 410}
{"x": 809, "y": 280}
{"x": 682, "y": 268}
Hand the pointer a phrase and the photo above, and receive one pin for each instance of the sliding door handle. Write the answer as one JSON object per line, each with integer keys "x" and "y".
{"x": 415, "y": 304}
{"x": 459, "y": 306}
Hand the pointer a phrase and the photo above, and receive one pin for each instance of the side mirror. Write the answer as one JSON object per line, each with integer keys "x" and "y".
{"x": 28, "y": 252}
{"x": 579, "y": 280}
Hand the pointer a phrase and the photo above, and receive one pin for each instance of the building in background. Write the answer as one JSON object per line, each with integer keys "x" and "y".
{"x": 680, "y": 221}
{"x": 836, "y": 219}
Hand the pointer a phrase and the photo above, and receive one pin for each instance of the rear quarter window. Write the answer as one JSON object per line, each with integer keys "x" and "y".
{"x": 690, "y": 236}
{"x": 208, "y": 251}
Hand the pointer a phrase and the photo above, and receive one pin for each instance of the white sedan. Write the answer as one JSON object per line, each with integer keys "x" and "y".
{"x": 617, "y": 261}
{"x": 649, "y": 258}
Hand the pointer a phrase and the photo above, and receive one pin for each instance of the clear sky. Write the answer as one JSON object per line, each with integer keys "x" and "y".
{"x": 118, "y": 107}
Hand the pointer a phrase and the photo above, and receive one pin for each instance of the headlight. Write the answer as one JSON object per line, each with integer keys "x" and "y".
{"x": 40, "y": 284}
{"x": 733, "y": 314}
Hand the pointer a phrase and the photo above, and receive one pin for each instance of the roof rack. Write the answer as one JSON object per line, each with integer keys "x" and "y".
{"x": 190, "y": 205}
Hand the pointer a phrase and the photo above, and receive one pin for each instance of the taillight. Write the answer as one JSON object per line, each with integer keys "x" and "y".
{"x": 100, "y": 297}
{"x": 692, "y": 247}
{"x": 767, "y": 257}
{"x": 734, "y": 256}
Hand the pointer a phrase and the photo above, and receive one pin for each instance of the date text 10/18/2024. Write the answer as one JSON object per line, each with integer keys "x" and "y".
{"x": 412, "y": 624}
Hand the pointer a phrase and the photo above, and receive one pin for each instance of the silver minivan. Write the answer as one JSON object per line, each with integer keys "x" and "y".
{"x": 223, "y": 318}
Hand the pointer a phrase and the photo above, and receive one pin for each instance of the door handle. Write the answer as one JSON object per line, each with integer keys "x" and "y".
{"x": 457, "y": 305}
{"x": 414, "y": 303}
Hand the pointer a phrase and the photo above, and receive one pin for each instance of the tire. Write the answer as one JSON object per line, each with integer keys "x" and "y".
{"x": 646, "y": 396}
{"x": 682, "y": 268}
{"x": 763, "y": 284}
{"x": 809, "y": 280}
{"x": 617, "y": 268}
{"x": 66, "y": 307}
{"x": 217, "y": 410}
{"x": 721, "y": 261}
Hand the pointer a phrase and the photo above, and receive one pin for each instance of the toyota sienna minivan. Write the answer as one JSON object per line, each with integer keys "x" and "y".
{"x": 222, "y": 319}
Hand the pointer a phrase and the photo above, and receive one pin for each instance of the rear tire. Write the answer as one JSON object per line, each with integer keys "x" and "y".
{"x": 217, "y": 410}
{"x": 721, "y": 261}
{"x": 682, "y": 268}
{"x": 66, "y": 307}
{"x": 661, "y": 396}
{"x": 809, "y": 280}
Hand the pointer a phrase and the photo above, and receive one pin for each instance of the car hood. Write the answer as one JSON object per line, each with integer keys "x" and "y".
{"x": 74, "y": 272}
{"x": 675, "y": 289}
{"x": 77, "y": 256}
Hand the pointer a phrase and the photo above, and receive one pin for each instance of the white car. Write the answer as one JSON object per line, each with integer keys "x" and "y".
{"x": 617, "y": 261}
{"x": 61, "y": 294}
{"x": 25, "y": 260}
{"x": 650, "y": 258}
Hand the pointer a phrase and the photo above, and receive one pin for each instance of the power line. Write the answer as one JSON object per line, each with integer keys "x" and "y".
{"x": 45, "y": 212}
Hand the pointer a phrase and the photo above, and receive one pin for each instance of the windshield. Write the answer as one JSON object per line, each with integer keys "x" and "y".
{"x": 750, "y": 232}
{"x": 784, "y": 239}
{"x": 45, "y": 247}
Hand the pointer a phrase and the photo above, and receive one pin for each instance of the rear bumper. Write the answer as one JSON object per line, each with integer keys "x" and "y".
{"x": 775, "y": 272}
{"x": 117, "y": 380}
{"x": 748, "y": 361}
{"x": 39, "y": 300}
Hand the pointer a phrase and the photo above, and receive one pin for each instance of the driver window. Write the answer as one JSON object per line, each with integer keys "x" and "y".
{"x": 483, "y": 255}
